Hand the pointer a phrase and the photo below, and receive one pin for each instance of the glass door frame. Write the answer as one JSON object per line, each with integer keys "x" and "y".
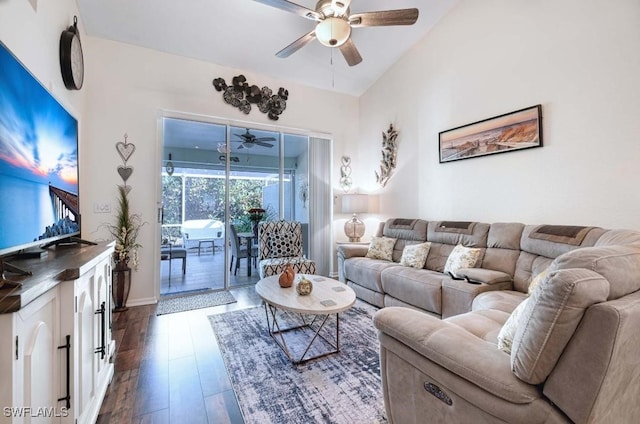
{"x": 228, "y": 123}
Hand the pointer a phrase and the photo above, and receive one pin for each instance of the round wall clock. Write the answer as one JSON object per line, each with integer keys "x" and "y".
{"x": 71, "y": 59}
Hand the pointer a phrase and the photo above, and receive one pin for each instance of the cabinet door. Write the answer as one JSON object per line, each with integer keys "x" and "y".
{"x": 39, "y": 361}
{"x": 102, "y": 327}
{"x": 85, "y": 345}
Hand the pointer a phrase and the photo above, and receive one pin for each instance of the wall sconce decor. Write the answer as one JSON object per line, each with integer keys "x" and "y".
{"x": 241, "y": 95}
{"x": 389, "y": 153}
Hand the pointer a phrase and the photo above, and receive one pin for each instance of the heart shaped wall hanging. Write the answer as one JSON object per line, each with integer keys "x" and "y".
{"x": 125, "y": 172}
{"x": 125, "y": 150}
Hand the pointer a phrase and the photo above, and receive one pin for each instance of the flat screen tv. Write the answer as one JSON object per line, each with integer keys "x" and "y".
{"x": 38, "y": 162}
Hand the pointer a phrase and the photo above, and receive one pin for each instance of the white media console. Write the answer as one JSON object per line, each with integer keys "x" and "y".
{"x": 55, "y": 337}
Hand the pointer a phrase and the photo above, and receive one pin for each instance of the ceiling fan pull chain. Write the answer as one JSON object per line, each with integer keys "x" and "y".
{"x": 333, "y": 72}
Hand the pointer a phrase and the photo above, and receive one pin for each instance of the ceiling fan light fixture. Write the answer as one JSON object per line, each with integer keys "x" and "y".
{"x": 333, "y": 32}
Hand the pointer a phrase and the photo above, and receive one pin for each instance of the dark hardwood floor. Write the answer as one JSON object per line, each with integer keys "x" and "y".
{"x": 168, "y": 368}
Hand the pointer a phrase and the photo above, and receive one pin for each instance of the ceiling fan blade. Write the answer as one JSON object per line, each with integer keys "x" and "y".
{"x": 350, "y": 53}
{"x": 294, "y": 8}
{"x": 384, "y": 18}
{"x": 264, "y": 139}
{"x": 260, "y": 143}
{"x": 297, "y": 45}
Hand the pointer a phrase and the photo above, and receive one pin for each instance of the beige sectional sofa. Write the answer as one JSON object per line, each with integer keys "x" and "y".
{"x": 576, "y": 349}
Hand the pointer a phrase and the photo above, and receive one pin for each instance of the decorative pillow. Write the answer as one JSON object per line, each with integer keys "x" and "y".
{"x": 282, "y": 245}
{"x": 537, "y": 280}
{"x": 461, "y": 257}
{"x": 508, "y": 330}
{"x": 415, "y": 255}
{"x": 381, "y": 248}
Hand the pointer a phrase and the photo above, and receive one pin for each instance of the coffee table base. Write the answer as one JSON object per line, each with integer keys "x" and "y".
{"x": 277, "y": 334}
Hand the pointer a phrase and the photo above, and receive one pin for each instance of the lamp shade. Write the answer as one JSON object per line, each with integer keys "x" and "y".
{"x": 333, "y": 32}
{"x": 355, "y": 203}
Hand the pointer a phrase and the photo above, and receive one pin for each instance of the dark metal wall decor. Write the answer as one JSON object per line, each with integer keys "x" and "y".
{"x": 389, "y": 153}
{"x": 241, "y": 95}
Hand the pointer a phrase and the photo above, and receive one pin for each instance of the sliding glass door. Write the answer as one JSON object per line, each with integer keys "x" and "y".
{"x": 216, "y": 180}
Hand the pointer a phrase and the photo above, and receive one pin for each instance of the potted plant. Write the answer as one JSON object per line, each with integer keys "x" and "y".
{"x": 125, "y": 231}
{"x": 255, "y": 215}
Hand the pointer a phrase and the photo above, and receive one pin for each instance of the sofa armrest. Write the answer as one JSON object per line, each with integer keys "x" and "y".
{"x": 455, "y": 349}
{"x": 485, "y": 276}
{"x": 346, "y": 251}
{"x": 352, "y": 250}
{"x": 458, "y": 295}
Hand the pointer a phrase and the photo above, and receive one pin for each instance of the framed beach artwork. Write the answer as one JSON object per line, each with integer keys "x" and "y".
{"x": 512, "y": 131}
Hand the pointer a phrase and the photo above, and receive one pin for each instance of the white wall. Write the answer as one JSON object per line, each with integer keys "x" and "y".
{"x": 580, "y": 60}
{"x": 124, "y": 91}
{"x": 127, "y": 88}
{"x": 33, "y": 36}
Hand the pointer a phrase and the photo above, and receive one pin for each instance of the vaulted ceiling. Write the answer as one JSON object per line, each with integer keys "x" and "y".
{"x": 246, "y": 34}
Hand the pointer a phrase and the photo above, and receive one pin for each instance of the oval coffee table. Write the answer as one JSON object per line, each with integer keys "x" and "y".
{"x": 329, "y": 297}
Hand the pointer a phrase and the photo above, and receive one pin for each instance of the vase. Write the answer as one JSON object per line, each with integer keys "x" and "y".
{"x": 304, "y": 287}
{"x": 287, "y": 276}
{"x": 120, "y": 285}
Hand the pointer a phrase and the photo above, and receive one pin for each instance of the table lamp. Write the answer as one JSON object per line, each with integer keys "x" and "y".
{"x": 354, "y": 203}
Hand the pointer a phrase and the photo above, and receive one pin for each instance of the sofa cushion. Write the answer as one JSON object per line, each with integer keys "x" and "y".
{"x": 366, "y": 272}
{"x": 620, "y": 265}
{"x": 415, "y": 255}
{"x": 550, "y": 318}
{"x": 619, "y": 237}
{"x": 417, "y": 287}
{"x": 456, "y": 349}
{"x": 501, "y": 300}
{"x": 553, "y": 249}
{"x": 461, "y": 257}
{"x": 485, "y": 324}
{"x": 381, "y": 248}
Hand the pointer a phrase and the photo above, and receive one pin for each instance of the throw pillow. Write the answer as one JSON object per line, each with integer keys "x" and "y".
{"x": 537, "y": 280}
{"x": 461, "y": 257}
{"x": 508, "y": 330}
{"x": 415, "y": 255}
{"x": 281, "y": 245}
{"x": 381, "y": 248}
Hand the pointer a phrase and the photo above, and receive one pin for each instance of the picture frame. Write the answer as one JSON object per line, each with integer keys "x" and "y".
{"x": 510, "y": 132}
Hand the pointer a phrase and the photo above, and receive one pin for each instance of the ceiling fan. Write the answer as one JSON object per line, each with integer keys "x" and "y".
{"x": 249, "y": 140}
{"x": 334, "y": 24}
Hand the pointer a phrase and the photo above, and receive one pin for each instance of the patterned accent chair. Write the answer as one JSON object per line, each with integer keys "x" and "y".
{"x": 279, "y": 244}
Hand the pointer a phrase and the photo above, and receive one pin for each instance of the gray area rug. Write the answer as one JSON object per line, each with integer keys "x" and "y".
{"x": 170, "y": 305}
{"x": 340, "y": 388}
